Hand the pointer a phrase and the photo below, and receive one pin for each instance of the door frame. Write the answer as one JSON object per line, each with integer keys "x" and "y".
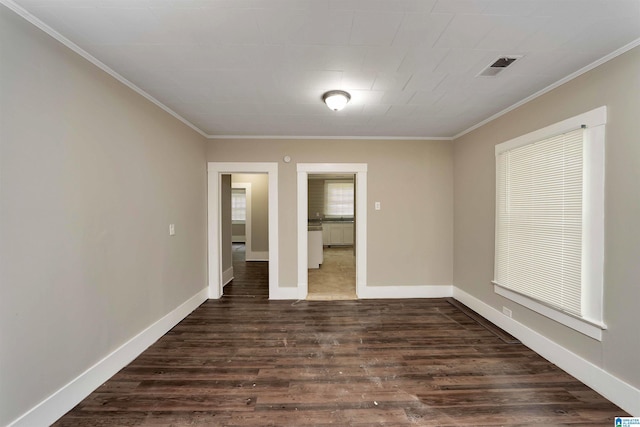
{"x": 214, "y": 241}
{"x": 360, "y": 172}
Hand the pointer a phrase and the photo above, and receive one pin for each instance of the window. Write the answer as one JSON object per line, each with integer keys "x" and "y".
{"x": 238, "y": 205}
{"x": 338, "y": 198}
{"x": 549, "y": 221}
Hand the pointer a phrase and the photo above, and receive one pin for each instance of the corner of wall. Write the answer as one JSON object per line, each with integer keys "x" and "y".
{"x": 622, "y": 394}
{"x": 63, "y": 400}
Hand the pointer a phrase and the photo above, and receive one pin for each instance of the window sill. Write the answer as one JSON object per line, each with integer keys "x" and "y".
{"x": 592, "y": 329}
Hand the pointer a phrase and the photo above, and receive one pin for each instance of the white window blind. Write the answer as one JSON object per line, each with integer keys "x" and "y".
{"x": 539, "y": 220}
{"x": 238, "y": 204}
{"x": 338, "y": 198}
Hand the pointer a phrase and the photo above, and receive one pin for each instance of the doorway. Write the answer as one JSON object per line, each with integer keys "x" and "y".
{"x": 331, "y": 237}
{"x": 244, "y": 233}
{"x": 359, "y": 170}
{"x": 250, "y": 219}
{"x": 216, "y": 171}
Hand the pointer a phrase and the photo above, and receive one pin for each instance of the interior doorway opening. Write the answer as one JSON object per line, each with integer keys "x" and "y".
{"x": 244, "y": 230}
{"x": 220, "y": 230}
{"x": 331, "y": 240}
{"x": 359, "y": 238}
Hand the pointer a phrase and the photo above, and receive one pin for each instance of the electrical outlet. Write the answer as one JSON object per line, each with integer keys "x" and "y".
{"x": 172, "y": 229}
{"x": 506, "y": 311}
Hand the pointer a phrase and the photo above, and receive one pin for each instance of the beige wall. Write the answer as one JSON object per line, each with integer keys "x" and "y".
{"x": 238, "y": 230}
{"x": 409, "y": 240}
{"x": 615, "y": 84}
{"x": 315, "y": 199}
{"x": 259, "y": 208}
{"x": 91, "y": 177}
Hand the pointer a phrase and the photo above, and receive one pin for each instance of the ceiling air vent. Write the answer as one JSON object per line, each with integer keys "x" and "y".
{"x": 499, "y": 65}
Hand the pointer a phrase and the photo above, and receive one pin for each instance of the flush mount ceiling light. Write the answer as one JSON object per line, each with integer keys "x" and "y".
{"x": 336, "y": 99}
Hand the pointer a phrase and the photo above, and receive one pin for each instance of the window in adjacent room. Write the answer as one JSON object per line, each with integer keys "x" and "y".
{"x": 238, "y": 205}
{"x": 549, "y": 221}
{"x": 338, "y": 199}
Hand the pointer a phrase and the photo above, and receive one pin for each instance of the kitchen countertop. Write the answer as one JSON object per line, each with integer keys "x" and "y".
{"x": 316, "y": 225}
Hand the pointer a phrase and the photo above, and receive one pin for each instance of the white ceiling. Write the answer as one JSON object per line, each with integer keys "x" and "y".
{"x": 260, "y": 67}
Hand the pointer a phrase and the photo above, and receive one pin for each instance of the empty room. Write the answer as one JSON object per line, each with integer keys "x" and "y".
{"x": 314, "y": 212}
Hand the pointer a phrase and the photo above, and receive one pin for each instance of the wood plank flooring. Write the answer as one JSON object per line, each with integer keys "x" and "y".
{"x": 246, "y": 361}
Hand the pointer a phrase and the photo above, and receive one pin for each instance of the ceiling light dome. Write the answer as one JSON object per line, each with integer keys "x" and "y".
{"x": 336, "y": 99}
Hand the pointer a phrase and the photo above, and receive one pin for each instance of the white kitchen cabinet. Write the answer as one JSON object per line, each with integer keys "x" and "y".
{"x": 347, "y": 236}
{"x": 314, "y": 249}
{"x": 326, "y": 234}
{"x": 337, "y": 233}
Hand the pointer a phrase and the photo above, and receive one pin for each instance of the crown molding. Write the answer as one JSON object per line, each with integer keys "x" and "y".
{"x": 95, "y": 61}
{"x": 552, "y": 86}
{"x": 376, "y": 138}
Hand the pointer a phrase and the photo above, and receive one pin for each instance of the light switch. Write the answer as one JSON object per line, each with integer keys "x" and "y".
{"x": 377, "y": 206}
{"x": 172, "y": 229}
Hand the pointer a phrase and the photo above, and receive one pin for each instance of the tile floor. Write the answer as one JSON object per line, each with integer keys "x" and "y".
{"x": 336, "y": 277}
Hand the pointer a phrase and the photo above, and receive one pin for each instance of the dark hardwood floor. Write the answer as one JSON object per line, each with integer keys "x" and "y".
{"x": 246, "y": 361}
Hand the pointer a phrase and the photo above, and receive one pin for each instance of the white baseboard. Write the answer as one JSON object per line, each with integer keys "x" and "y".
{"x": 421, "y": 291}
{"x": 227, "y": 276}
{"x": 619, "y": 392}
{"x": 257, "y": 256}
{"x": 282, "y": 293}
{"x": 63, "y": 400}
{"x": 239, "y": 239}
{"x": 380, "y": 292}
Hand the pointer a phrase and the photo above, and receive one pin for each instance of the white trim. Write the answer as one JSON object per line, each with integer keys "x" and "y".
{"x": 227, "y": 276}
{"x": 214, "y": 171}
{"x": 553, "y": 86}
{"x": 593, "y": 206}
{"x": 360, "y": 171}
{"x": 419, "y": 291}
{"x": 590, "y": 329}
{"x": 213, "y": 231}
{"x": 619, "y": 392}
{"x": 361, "y": 230}
{"x": 92, "y": 59}
{"x": 343, "y": 168}
{"x": 303, "y": 238}
{"x": 318, "y": 137}
{"x": 592, "y": 119}
{"x": 63, "y": 400}
{"x": 257, "y": 256}
{"x": 287, "y": 293}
